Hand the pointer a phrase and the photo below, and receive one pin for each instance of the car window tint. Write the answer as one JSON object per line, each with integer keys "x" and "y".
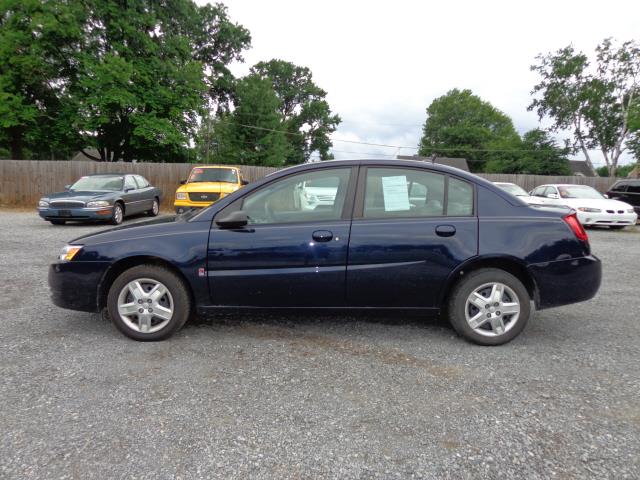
{"x": 633, "y": 188}
{"x": 398, "y": 192}
{"x": 305, "y": 197}
{"x": 129, "y": 182}
{"x": 538, "y": 192}
{"x": 619, "y": 187}
{"x": 459, "y": 198}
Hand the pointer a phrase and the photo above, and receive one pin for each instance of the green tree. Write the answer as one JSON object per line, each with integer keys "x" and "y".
{"x": 538, "y": 154}
{"x": 593, "y": 102}
{"x": 304, "y": 110}
{"x": 38, "y": 43}
{"x": 461, "y": 124}
{"x": 622, "y": 171}
{"x": 253, "y": 134}
{"x": 146, "y": 70}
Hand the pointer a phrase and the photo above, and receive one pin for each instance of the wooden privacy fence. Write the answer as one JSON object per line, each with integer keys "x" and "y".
{"x": 23, "y": 182}
{"x": 529, "y": 182}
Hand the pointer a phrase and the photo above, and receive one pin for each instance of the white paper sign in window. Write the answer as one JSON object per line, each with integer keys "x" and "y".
{"x": 395, "y": 193}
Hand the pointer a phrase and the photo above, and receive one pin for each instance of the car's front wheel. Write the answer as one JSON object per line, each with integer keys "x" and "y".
{"x": 489, "y": 307}
{"x": 118, "y": 214}
{"x": 148, "y": 303}
{"x": 155, "y": 208}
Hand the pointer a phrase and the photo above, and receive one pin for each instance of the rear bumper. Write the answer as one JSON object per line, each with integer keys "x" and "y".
{"x": 74, "y": 285}
{"x": 566, "y": 281}
{"x": 101, "y": 213}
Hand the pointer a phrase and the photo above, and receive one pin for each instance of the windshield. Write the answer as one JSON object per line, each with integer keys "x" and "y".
{"x": 213, "y": 175}
{"x": 579, "y": 191}
{"x": 513, "y": 189}
{"x": 92, "y": 184}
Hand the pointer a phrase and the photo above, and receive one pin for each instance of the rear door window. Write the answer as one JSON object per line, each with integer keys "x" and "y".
{"x": 459, "y": 198}
{"x": 398, "y": 192}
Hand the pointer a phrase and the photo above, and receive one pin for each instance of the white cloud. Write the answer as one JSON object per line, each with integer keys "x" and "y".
{"x": 382, "y": 63}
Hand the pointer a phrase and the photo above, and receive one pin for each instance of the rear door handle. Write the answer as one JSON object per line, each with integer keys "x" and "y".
{"x": 322, "y": 235}
{"x": 445, "y": 230}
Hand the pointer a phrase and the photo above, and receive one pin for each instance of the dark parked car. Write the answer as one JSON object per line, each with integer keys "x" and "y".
{"x": 102, "y": 197}
{"x": 397, "y": 235}
{"x": 627, "y": 191}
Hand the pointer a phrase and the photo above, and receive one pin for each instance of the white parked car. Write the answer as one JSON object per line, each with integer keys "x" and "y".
{"x": 591, "y": 206}
{"x": 518, "y": 191}
{"x": 318, "y": 193}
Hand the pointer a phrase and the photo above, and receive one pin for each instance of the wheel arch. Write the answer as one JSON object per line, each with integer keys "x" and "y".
{"x": 122, "y": 204}
{"x": 129, "y": 262}
{"x": 509, "y": 264}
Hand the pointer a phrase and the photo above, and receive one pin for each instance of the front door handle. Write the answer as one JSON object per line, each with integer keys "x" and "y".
{"x": 322, "y": 235}
{"x": 445, "y": 230}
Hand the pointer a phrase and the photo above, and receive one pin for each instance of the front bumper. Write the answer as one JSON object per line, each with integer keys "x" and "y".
{"x": 86, "y": 213}
{"x": 74, "y": 285}
{"x": 604, "y": 218}
{"x": 566, "y": 281}
{"x": 185, "y": 209}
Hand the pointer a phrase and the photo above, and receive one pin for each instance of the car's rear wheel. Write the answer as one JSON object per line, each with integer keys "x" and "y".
{"x": 155, "y": 208}
{"x": 489, "y": 307}
{"x": 58, "y": 222}
{"x": 118, "y": 214}
{"x": 148, "y": 303}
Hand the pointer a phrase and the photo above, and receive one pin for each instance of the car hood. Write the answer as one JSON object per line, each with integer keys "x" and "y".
{"x": 222, "y": 187}
{"x": 602, "y": 204}
{"x": 154, "y": 226}
{"x": 80, "y": 195}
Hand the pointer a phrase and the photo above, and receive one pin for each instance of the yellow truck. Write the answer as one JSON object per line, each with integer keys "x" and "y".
{"x": 207, "y": 184}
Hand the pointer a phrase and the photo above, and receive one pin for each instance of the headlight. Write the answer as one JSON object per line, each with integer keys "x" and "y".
{"x": 181, "y": 196}
{"x": 69, "y": 251}
{"x": 631, "y": 210}
{"x": 587, "y": 209}
{"x": 43, "y": 203}
{"x": 98, "y": 203}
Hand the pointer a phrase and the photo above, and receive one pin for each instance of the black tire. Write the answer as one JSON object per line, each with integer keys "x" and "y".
{"x": 117, "y": 218}
{"x": 155, "y": 209}
{"x": 616, "y": 227}
{"x": 467, "y": 285}
{"x": 176, "y": 288}
{"x": 58, "y": 222}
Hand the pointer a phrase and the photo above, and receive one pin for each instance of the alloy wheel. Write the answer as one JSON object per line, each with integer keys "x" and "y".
{"x": 492, "y": 309}
{"x": 145, "y": 305}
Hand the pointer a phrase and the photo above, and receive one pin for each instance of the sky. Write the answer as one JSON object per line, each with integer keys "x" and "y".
{"x": 382, "y": 63}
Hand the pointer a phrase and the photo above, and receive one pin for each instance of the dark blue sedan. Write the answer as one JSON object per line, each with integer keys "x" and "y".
{"x": 101, "y": 197}
{"x": 353, "y": 235}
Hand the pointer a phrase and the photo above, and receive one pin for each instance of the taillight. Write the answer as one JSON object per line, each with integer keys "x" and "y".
{"x": 576, "y": 227}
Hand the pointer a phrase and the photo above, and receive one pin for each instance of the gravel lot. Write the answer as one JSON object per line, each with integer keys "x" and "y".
{"x": 314, "y": 396}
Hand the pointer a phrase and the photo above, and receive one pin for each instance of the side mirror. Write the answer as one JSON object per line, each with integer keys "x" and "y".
{"x": 605, "y": 195}
{"x": 235, "y": 219}
{"x": 552, "y": 195}
{"x": 244, "y": 182}
{"x": 182, "y": 182}
{"x": 67, "y": 187}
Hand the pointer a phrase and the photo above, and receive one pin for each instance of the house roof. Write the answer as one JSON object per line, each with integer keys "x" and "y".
{"x": 581, "y": 168}
{"x": 460, "y": 163}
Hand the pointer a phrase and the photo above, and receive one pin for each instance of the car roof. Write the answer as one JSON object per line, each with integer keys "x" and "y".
{"x": 109, "y": 174}
{"x": 229, "y": 167}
